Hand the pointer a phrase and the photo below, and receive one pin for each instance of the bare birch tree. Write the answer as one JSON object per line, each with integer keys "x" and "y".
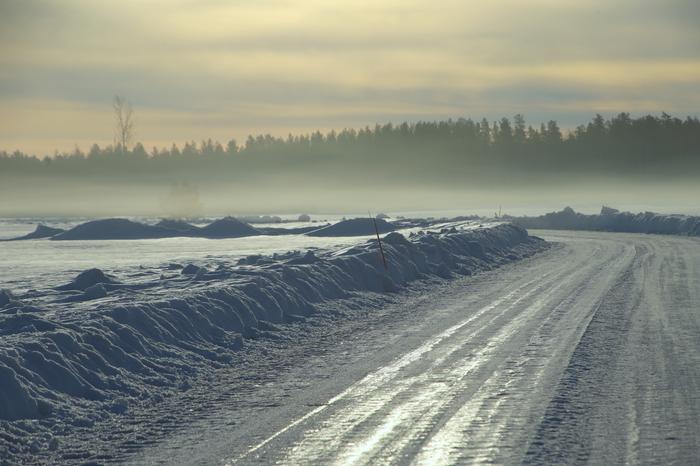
{"x": 124, "y": 115}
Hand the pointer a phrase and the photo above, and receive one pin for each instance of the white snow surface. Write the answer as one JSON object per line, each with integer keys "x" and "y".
{"x": 585, "y": 354}
{"x": 34, "y": 264}
{"x": 84, "y": 352}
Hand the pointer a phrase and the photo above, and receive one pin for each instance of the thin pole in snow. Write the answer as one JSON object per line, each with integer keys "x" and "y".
{"x": 381, "y": 249}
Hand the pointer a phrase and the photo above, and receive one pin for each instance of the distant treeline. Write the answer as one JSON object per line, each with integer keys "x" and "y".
{"x": 452, "y": 148}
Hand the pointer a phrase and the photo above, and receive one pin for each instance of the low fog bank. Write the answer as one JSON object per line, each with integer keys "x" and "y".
{"x": 650, "y": 162}
{"x": 22, "y": 196}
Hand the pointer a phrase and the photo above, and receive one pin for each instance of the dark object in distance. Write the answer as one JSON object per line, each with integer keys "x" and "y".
{"x": 354, "y": 227}
{"x": 41, "y": 231}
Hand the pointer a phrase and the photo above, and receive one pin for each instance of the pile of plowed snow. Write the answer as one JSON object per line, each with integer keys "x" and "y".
{"x": 354, "y": 227}
{"x": 78, "y": 364}
{"x": 114, "y": 228}
{"x": 228, "y": 227}
{"x": 119, "y": 228}
{"x": 613, "y": 220}
{"x": 41, "y": 231}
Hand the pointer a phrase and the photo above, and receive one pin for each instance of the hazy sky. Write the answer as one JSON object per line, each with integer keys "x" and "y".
{"x": 226, "y": 68}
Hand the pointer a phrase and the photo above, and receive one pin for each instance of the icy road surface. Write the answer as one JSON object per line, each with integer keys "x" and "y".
{"x": 587, "y": 353}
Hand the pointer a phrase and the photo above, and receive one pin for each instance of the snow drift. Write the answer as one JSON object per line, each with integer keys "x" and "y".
{"x": 114, "y": 228}
{"x": 611, "y": 219}
{"x": 41, "y": 231}
{"x": 354, "y": 227}
{"x": 119, "y": 228}
{"x": 228, "y": 227}
{"x": 82, "y": 363}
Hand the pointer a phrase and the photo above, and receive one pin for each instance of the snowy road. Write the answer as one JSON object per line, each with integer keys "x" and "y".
{"x": 588, "y": 353}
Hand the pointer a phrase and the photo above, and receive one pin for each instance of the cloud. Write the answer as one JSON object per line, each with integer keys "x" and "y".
{"x": 275, "y": 65}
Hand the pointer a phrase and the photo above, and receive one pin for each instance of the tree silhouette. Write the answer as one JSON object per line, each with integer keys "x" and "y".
{"x": 454, "y": 151}
{"x": 124, "y": 116}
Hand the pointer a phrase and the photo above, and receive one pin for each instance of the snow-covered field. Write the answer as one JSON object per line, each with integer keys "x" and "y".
{"x": 470, "y": 348}
{"x": 585, "y": 354}
{"x": 81, "y": 352}
{"x": 42, "y": 263}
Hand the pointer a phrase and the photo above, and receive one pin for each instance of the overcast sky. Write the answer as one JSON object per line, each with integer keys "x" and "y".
{"x": 222, "y": 69}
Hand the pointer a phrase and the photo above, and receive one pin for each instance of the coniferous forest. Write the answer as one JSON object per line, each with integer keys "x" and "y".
{"x": 452, "y": 153}
{"x": 619, "y": 143}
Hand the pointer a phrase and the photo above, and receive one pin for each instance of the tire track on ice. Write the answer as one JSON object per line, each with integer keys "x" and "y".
{"x": 435, "y": 387}
{"x": 370, "y": 382}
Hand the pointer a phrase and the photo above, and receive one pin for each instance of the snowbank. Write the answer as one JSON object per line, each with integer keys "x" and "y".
{"x": 86, "y": 279}
{"x": 612, "y": 220}
{"x": 354, "y": 227}
{"x": 119, "y": 228}
{"x": 41, "y": 231}
{"x": 228, "y": 227}
{"x": 83, "y": 363}
{"x": 114, "y": 228}
{"x": 6, "y": 297}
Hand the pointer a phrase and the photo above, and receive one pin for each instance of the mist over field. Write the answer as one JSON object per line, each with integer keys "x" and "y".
{"x": 324, "y": 91}
{"x": 455, "y": 164}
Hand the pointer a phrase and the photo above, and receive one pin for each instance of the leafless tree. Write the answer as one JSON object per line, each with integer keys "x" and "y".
{"x": 124, "y": 115}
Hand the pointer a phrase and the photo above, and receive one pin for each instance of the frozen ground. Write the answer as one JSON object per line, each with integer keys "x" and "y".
{"x": 40, "y": 263}
{"x": 587, "y": 353}
{"x": 100, "y": 350}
